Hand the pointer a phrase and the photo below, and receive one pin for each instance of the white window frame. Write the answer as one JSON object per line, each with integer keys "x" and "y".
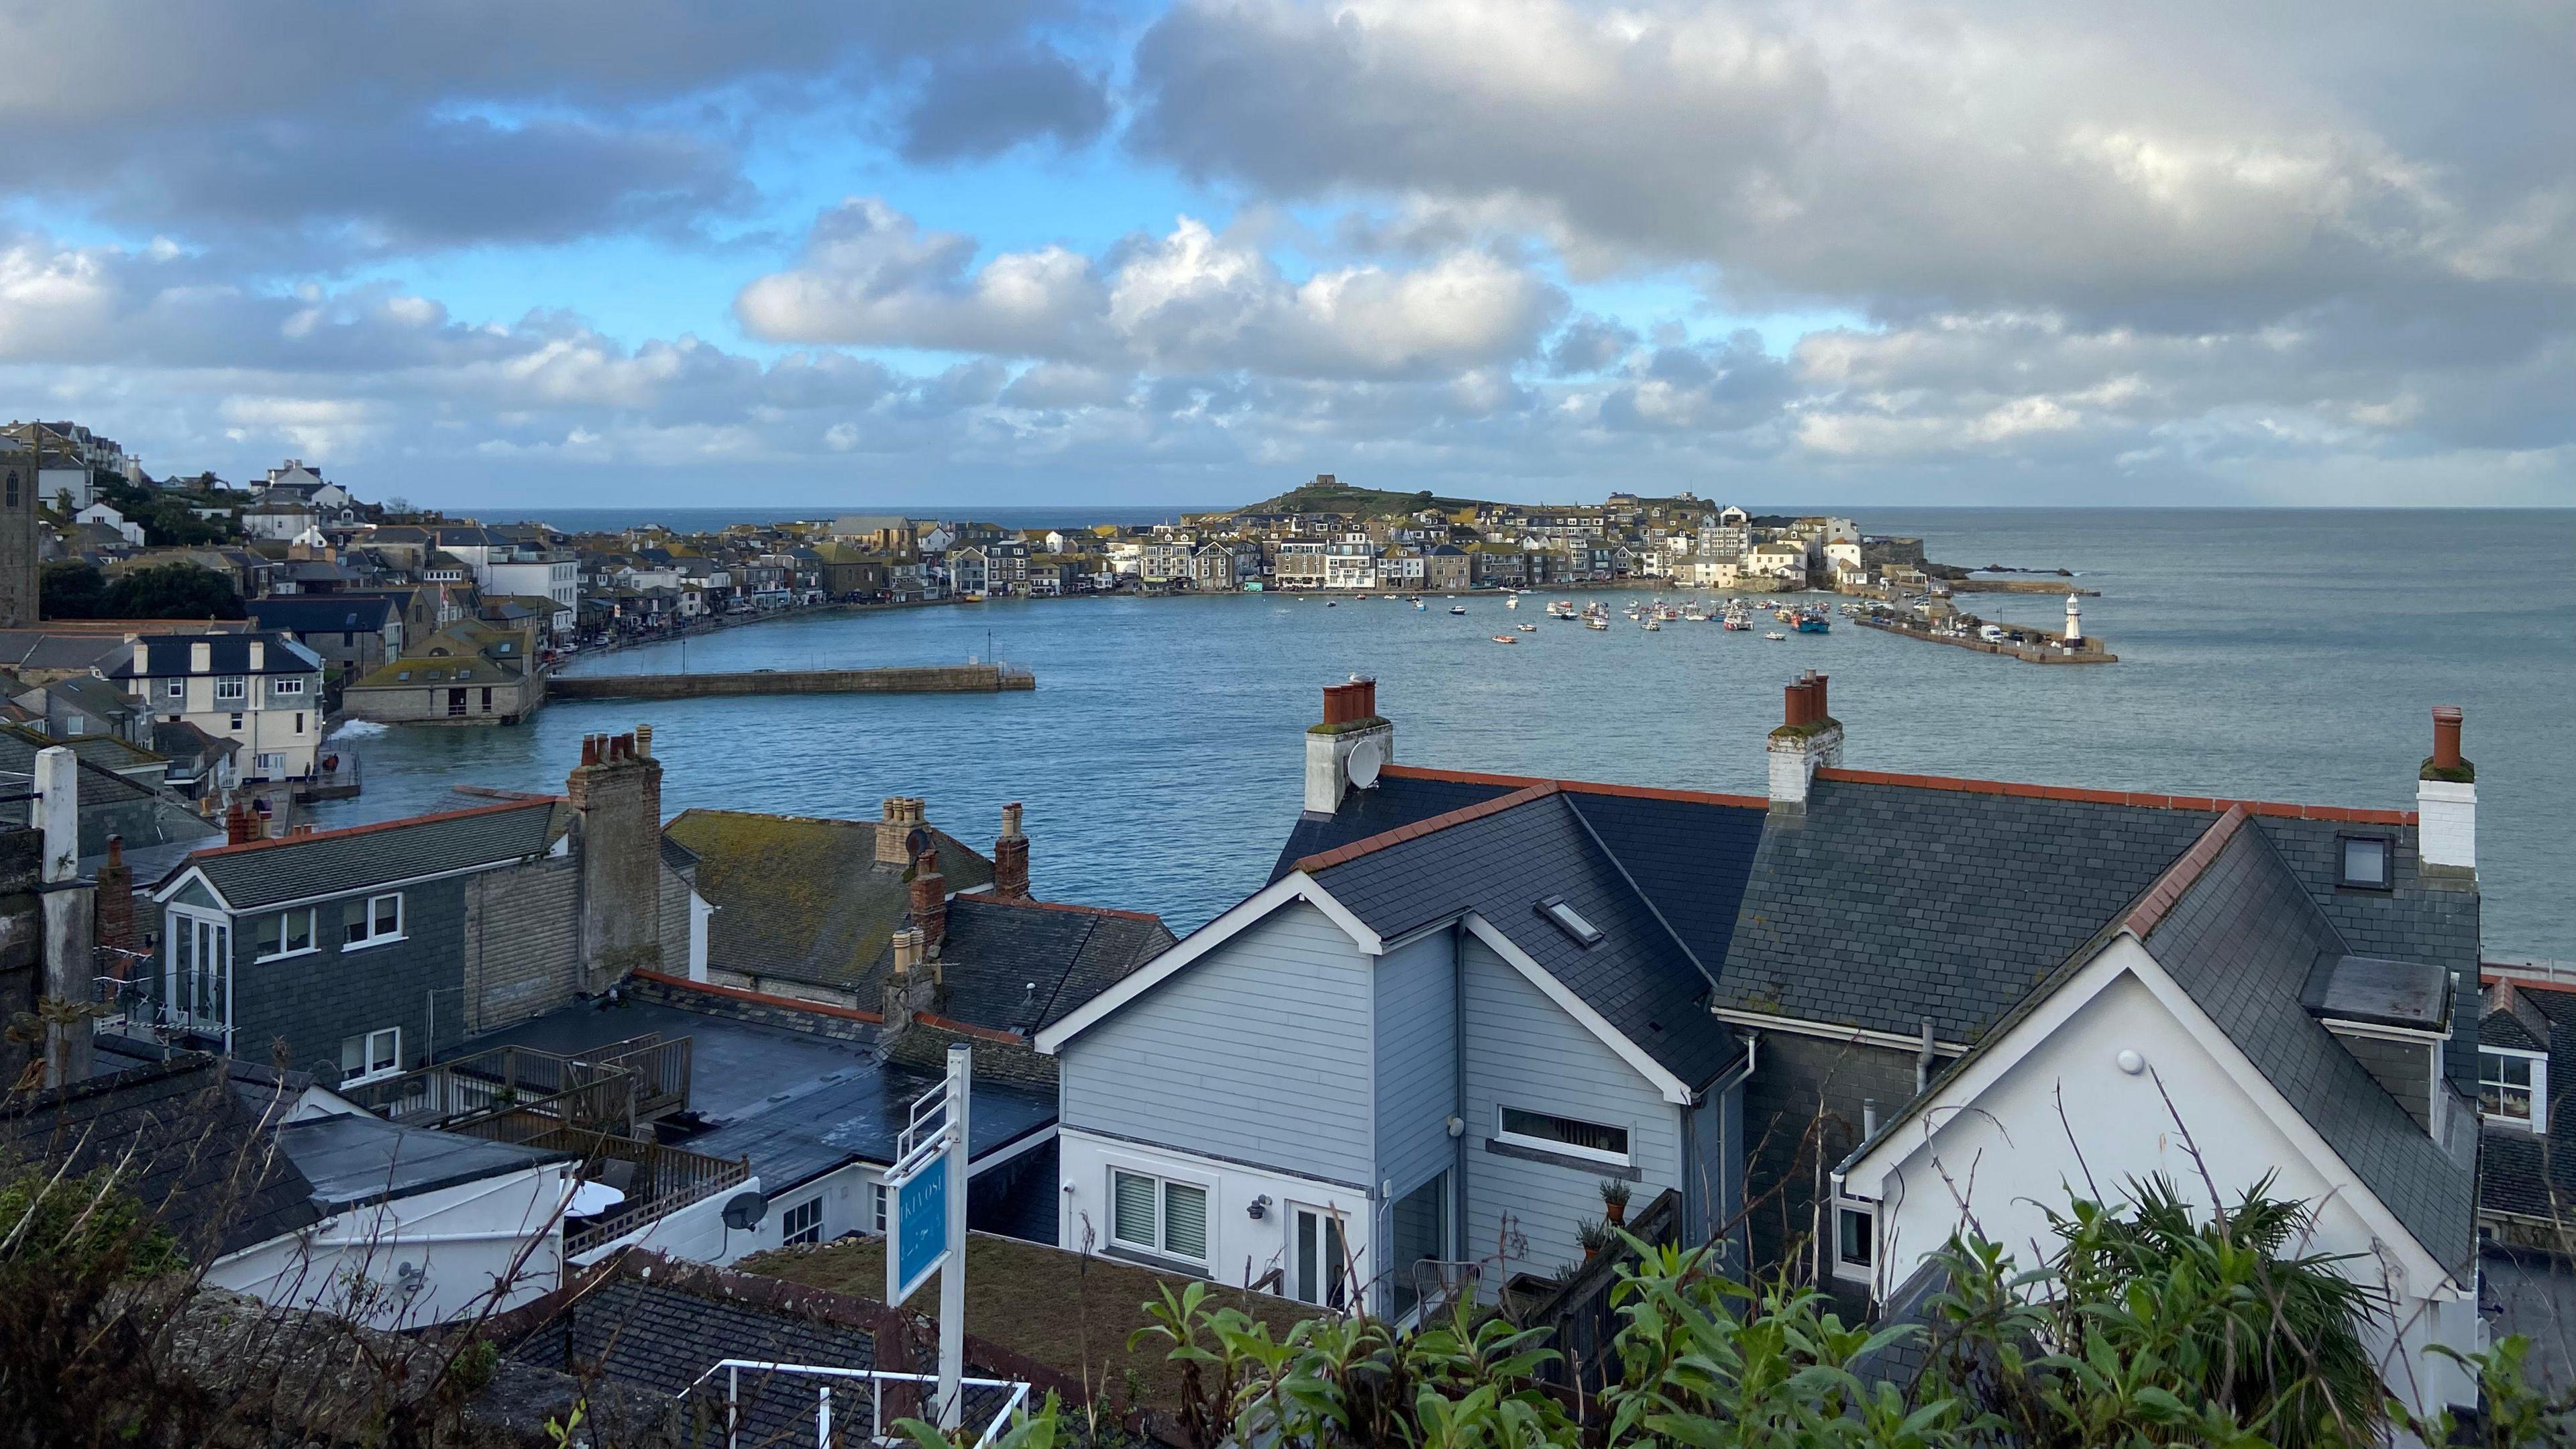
{"x": 1163, "y": 1185}
{"x": 369, "y": 1072}
{"x": 312, "y": 933}
{"x": 373, "y": 937}
{"x": 811, "y": 1232}
{"x": 1566, "y": 1149}
{"x": 175, "y": 689}
{"x": 2538, "y": 1121}
{"x": 287, "y": 684}
{"x": 1841, "y": 1268}
{"x": 232, "y": 687}
{"x": 877, "y": 1205}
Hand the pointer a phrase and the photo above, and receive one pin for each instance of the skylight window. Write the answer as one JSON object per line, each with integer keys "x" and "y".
{"x": 1570, "y": 921}
{"x": 2362, "y": 862}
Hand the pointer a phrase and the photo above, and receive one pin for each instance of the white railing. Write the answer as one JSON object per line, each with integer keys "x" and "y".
{"x": 1016, "y": 1398}
{"x": 2529, "y": 968}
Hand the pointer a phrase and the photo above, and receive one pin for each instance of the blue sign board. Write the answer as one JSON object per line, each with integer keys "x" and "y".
{"x": 921, "y": 1227}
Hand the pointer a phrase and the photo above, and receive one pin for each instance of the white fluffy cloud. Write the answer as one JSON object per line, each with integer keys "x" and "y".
{"x": 1186, "y": 302}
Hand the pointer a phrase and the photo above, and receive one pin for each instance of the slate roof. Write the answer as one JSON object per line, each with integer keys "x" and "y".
{"x": 1401, "y": 798}
{"x": 1618, "y": 860}
{"x": 802, "y": 898}
{"x": 192, "y": 1152}
{"x": 354, "y": 1160}
{"x": 2524, "y": 1174}
{"x": 2243, "y": 940}
{"x": 1022, "y": 965}
{"x": 1885, "y": 905}
{"x": 331, "y": 862}
{"x": 323, "y": 613}
{"x": 162, "y": 656}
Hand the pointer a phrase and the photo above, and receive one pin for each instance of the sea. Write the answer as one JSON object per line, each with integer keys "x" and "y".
{"x": 2286, "y": 655}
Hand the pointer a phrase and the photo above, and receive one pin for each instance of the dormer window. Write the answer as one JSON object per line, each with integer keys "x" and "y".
{"x": 2513, "y": 1088}
{"x": 2365, "y": 862}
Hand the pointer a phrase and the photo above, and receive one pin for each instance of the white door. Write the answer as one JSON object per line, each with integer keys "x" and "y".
{"x": 198, "y": 980}
{"x": 1318, "y": 1263}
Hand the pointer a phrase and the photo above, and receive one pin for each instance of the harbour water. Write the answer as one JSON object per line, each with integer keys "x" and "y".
{"x": 2290, "y": 655}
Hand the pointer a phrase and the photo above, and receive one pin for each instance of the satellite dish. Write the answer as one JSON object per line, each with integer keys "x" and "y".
{"x": 744, "y": 1210}
{"x": 1366, "y": 757}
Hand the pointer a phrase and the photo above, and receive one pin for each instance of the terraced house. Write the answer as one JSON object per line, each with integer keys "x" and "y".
{"x": 364, "y": 952}
{"x": 261, "y": 690}
{"x": 1465, "y": 1002}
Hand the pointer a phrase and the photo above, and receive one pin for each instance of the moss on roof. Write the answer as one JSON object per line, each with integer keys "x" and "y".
{"x": 802, "y": 898}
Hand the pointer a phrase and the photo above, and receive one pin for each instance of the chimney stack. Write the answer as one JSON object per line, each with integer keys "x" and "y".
{"x": 1011, "y": 857}
{"x": 1347, "y": 750}
{"x": 929, "y": 904}
{"x": 240, "y": 827}
{"x": 616, "y": 798}
{"x": 900, "y": 816}
{"x": 1808, "y": 739}
{"x": 907, "y": 952}
{"x": 115, "y": 912}
{"x": 2446, "y": 803}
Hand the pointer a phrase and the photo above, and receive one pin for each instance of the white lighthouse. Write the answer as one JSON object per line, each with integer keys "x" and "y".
{"x": 2074, "y": 623}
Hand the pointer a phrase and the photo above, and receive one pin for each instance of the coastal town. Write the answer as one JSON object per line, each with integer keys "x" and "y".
{"x": 412, "y": 617}
{"x": 521, "y": 1071}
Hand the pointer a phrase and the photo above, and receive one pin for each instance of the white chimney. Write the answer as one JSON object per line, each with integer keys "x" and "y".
{"x": 1808, "y": 739}
{"x": 201, "y": 657}
{"x": 2446, "y": 801}
{"x": 258, "y": 656}
{"x": 1347, "y": 750}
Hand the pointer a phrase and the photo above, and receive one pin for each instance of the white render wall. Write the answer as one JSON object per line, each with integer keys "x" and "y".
{"x": 465, "y": 1239}
{"x": 2012, "y": 1154}
{"x": 1241, "y": 1248}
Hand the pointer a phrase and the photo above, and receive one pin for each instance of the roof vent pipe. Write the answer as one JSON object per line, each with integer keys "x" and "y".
{"x": 1923, "y": 1060}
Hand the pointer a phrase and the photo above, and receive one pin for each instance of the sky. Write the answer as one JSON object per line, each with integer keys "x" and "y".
{"x": 481, "y": 253}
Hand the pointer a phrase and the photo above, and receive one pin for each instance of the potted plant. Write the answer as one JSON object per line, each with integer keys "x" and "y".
{"x": 1614, "y": 1200}
{"x": 1595, "y": 1236}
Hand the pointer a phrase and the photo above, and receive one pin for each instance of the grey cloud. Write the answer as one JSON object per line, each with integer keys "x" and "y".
{"x": 981, "y": 106}
{"x": 1589, "y": 344}
{"x": 305, "y": 135}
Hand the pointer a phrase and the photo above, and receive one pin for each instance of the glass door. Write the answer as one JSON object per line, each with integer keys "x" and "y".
{"x": 1319, "y": 1266}
{"x": 198, "y": 980}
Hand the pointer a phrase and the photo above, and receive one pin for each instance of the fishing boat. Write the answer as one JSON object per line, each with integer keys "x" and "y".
{"x": 1815, "y": 624}
{"x": 1507, "y": 638}
{"x": 1652, "y": 625}
{"x": 1595, "y": 621}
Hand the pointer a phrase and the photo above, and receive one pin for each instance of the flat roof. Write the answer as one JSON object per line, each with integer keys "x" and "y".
{"x": 353, "y": 1159}
{"x": 733, "y": 1065}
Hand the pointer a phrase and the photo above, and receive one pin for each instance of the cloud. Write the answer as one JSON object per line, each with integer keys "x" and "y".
{"x": 317, "y": 134}
{"x": 1189, "y": 301}
{"x": 2189, "y": 160}
{"x": 984, "y": 105}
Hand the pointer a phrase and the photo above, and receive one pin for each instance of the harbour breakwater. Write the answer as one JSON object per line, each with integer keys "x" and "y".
{"x": 2050, "y": 650}
{"x": 917, "y": 679}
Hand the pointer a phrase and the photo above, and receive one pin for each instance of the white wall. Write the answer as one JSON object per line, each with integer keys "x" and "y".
{"x": 2011, "y": 1155}
{"x": 465, "y": 1239}
{"x": 1240, "y": 1247}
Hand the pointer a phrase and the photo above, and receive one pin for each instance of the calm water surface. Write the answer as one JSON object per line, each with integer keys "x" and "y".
{"x": 2286, "y": 655}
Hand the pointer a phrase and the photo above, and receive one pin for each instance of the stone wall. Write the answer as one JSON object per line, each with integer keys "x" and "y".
{"x": 930, "y": 679}
{"x": 22, "y": 943}
{"x": 522, "y": 940}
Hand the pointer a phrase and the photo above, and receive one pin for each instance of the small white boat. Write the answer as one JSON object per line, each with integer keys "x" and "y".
{"x": 1332, "y": 603}
{"x": 1774, "y": 635}
{"x": 1526, "y": 628}
{"x": 1457, "y": 608}
{"x": 1595, "y": 621}
{"x": 1507, "y": 638}
{"x": 1651, "y": 626}
{"x": 1512, "y": 602}
{"x": 1419, "y": 606}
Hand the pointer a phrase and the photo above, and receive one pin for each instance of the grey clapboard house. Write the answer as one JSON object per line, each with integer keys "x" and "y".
{"x": 1462, "y": 1005}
